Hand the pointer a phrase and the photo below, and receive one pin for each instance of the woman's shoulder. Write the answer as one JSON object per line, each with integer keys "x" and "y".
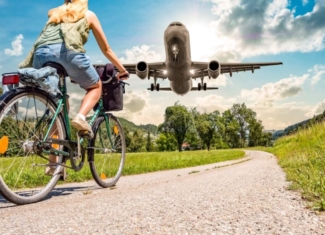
{"x": 91, "y": 17}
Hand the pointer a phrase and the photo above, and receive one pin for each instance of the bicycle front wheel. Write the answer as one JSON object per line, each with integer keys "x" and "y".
{"x": 25, "y": 117}
{"x": 106, "y": 151}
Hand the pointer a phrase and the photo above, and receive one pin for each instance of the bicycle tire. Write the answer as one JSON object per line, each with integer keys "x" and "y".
{"x": 106, "y": 158}
{"x": 22, "y": 176}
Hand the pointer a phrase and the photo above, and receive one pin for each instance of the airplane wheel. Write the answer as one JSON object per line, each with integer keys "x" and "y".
{"x": 199, "y": 86}
{"x": 157, "y": 87}
{"x": 205, "y": 86}
{"x": 152, "y": 87}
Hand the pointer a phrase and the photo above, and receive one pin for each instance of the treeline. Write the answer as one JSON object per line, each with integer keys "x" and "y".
{"x": 185, "y": 128}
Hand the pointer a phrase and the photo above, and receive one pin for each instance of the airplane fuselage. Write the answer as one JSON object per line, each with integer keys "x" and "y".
{"x": 178, "y": 58}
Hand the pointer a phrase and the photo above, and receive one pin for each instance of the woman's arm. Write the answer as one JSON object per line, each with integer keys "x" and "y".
{"x": 98, "y": 32}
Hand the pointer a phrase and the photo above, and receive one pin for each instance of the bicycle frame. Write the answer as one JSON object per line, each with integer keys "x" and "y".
{"x": 62, "y": 106}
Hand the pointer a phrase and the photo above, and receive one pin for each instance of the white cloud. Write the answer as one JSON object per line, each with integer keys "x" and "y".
{"x": 141, "y": 53}
{"x": 136, "y": 101}
{"x": 222, "y": 80}
{"x": 271, "y": 92}
{"x": 281, "y": 115}
{"x": 317, "y": 109}
{"x": 223, "y": 7}
{"x": 211, "y": 103}
{"x": 17, "y": 48}
{"x": 138, "y": 110}
{"x": 245, "y": 28}
{"x": 318, "y": 71}
{"x": 304, "y": 2}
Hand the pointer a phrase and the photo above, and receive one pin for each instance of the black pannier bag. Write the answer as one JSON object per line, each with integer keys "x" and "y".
{"x": 112, "y": 90}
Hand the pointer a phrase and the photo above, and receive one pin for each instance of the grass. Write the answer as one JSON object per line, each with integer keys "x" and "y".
{"x": 302, "y": 156}
{"x": 139, "y": 163}
{"x": 28, "y": 172}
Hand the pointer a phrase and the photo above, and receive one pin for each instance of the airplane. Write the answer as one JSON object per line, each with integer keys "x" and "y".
{"x": 178, "y": 67}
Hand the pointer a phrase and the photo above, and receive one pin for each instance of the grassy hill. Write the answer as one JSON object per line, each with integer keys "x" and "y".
{"x": 132, "y": 127}
{"x": 302, "y": 156}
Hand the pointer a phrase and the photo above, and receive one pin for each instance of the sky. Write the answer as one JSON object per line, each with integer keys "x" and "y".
{"x": 292, "y": 32}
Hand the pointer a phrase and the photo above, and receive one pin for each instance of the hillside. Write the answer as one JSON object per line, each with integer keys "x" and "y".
{"x": 132, "y": 127}
{"x": 301, "y": 125}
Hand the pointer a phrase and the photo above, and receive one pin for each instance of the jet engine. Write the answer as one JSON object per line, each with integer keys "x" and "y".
{"x": 214, "y": 69}
{"x": 142, "y": 69}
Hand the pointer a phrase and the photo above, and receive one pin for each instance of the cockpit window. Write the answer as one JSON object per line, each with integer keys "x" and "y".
{"x": 175, "y": 24}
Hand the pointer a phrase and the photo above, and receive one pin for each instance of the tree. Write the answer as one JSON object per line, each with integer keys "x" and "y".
{"x": 266, "y": 139}
{"x": 178, "y": 120}
{"x": 207, "y": 126}
{"x": 166, "y": 142}
{"x": 149, "y": 144}
{"x": 137, "y": 142}
{"x": 128, "y": 137}
{"x": 193, "y": 139}
{"x": 243, "y": 115}
{"x": 231, "y": 130}
{"x": 255, "y": 132}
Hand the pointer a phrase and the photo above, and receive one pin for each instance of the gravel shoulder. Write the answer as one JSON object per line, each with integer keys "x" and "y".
{"x": 246, "y": 196}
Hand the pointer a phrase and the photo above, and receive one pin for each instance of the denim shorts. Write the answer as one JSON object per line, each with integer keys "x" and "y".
{"x": 77, "y": 65}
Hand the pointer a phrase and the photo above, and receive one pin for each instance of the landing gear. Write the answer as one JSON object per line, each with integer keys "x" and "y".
{"x": 154, "y": 87}
{"x": 202, "y": 85}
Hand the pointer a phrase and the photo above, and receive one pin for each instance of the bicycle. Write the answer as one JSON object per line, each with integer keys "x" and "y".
{"x": 35, "y": 128}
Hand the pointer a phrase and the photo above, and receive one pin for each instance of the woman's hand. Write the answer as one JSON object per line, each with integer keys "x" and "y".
{"x": 123, "y": 75}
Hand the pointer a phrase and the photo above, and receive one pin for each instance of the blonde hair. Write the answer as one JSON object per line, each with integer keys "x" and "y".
{"x": 69, "y": 12}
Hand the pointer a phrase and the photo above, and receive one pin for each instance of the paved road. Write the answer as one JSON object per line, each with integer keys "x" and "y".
{"x": 245, "y": 198}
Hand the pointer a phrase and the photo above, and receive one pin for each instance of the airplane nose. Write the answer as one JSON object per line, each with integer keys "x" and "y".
{"x": 176, "y": 34}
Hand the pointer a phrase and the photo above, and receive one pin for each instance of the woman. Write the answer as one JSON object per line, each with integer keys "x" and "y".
{"x": 62, "y": 41}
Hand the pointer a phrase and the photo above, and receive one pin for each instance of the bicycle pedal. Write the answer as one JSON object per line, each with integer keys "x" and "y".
{"x": 86, "y": 134}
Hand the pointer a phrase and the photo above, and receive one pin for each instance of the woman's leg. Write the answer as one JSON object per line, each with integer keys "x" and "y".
{"x": 91, "y": 98}
{"x": 89, "y": 101}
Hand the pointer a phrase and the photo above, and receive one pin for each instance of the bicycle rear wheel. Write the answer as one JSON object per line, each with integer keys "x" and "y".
{"x": 25, "y": 116}
{"x": 106, "y": 151}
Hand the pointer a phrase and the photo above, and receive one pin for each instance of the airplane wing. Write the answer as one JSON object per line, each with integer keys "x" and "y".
{"x": 158, "y": 69}
{"x": 162, "y": 89}
{"x": 207, "y": 88}
{"x": 201, "y": 68}
{"x": 192, "y": 89}
{"x": 155, "y": 69}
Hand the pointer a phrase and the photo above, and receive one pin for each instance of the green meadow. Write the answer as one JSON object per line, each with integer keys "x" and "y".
{"x": 139, "y": 163}
{"x": 302, "y": 156}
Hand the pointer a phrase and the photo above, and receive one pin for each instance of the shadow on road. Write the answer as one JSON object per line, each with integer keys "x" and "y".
{"x": 56, "y": 192}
